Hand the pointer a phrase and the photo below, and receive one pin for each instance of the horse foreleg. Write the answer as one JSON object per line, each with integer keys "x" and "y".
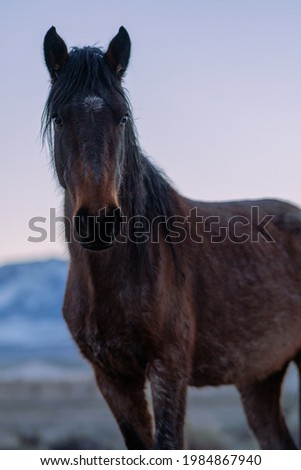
{"x": 261, "y": 402}
{"x": 129, "y": 406}
{"x": 169, "y": 387}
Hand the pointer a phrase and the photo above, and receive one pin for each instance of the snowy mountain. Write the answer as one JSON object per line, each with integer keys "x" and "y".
{"x": 32, "y": 330}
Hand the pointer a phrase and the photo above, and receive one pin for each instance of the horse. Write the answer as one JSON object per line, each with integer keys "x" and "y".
{"x": 164, "y": 290}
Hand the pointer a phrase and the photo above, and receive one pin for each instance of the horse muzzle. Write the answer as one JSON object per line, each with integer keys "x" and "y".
{"x": 97, "y": 232}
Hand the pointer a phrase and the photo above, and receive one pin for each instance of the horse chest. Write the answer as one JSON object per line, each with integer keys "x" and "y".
{"x": 118, "y": 352}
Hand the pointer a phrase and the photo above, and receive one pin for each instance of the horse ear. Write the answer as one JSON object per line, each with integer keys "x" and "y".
{"x": 118, "y": 53}
{"x": 55, "y": 52}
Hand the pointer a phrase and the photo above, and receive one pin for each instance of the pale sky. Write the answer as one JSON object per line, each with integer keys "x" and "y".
{"x": 215, "y": 87}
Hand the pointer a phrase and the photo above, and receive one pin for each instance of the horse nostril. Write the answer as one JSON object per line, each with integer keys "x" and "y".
{"x": 99, "y": 231}
{"x": 118, "y": 221}
{"x": 81, "y": 223}
{"x": 109, "y": 232}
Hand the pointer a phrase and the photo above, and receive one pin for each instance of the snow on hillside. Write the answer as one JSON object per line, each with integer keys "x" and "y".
{"x": 33, "y": 336}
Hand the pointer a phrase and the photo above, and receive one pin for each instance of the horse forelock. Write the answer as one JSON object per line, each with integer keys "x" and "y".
{"x": 87, "y": 77}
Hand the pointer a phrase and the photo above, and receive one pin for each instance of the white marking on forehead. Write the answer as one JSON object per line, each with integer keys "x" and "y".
{"x": 93, "y": 103}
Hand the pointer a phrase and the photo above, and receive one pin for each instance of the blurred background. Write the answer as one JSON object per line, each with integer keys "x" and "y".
{"x": 216, "y": 93}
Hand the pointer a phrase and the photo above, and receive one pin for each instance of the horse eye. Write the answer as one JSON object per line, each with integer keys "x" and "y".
{"x": 57, "y": 120}
{"x": 124, "y": 120}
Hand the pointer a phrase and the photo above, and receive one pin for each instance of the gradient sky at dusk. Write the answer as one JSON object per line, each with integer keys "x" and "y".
{"x": 215, "y": 87}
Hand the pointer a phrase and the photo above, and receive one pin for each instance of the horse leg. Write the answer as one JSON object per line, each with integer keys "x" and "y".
{"x": 169, "y": 388}
{"x": 261, "y": 402}
{"x": 129, "y": 406}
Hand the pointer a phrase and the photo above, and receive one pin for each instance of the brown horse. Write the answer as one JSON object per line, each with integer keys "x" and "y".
{"x": 162, "y": 288}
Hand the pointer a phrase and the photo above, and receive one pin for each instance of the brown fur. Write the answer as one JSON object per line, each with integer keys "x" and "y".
{"x": 232, "y": 318}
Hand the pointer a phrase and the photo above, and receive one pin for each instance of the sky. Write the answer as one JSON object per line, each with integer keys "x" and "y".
{"x": 215, "y": 88}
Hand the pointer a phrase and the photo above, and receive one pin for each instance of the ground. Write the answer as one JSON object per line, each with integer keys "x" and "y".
{"x": 71, "y": 414}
